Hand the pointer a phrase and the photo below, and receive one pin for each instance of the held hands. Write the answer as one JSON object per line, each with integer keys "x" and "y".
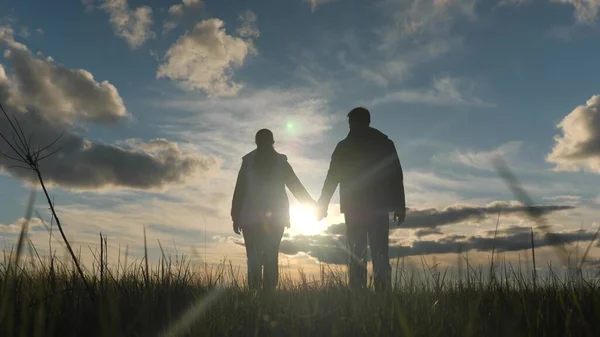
{"x": 320, "y": 210}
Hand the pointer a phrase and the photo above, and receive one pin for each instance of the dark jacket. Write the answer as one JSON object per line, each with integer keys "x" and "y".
{"x": 271, "y": 188}
{"x": 366, "y": 166}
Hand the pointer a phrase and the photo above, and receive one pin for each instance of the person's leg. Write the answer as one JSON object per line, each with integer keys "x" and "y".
{"x": 252, "y": 242}
{"x": 379, "y": 242}
{"x": 272, "y": 239}
{"x": 356, "y": 238}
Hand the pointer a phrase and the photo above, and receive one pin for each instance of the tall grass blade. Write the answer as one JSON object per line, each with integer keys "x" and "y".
{"x": 533, "y": 212}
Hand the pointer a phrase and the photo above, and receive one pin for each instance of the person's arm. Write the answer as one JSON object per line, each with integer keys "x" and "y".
{"x": 239, "y": 194}
{"x": 295, "y": 186}
{"x": 332, "y": 180}
{"x": 397, "y": 183}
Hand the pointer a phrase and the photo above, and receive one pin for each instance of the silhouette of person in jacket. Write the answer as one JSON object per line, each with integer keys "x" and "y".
{"x": 260, "y": 208}
{"x": 366, "y": 166}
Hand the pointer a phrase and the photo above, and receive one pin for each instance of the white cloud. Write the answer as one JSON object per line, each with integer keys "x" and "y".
{"x": 7, "y": 37}
{"x": 64, "y": 94}
{"x": 205, "y": 58}
{"x": 446, "y": 91}
{"x": 47, "y": 98}
{"x": 16, "y": 227}
{"x": 132, "y": 25}
{"x": 586, "y": 11}
{"x": 247, "y": 26}
{"x": 579, "y": 145}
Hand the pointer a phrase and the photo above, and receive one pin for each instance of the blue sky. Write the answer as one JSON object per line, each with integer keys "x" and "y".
{"x": 180, "y": 87}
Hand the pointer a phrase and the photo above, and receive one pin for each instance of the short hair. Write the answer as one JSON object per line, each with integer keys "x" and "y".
{"x": 264, "y": 137}
{"x": 360, "y": 116}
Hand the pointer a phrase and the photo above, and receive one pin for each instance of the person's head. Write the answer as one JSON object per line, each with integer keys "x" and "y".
{"x": 264, "y": 139}
{"x": 359, "y": 118}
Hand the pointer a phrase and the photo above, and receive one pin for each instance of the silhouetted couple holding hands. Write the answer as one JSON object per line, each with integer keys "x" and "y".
{"x": 366, "y": 167}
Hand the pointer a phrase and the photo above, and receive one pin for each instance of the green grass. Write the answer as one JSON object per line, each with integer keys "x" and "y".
{"x": 175, "y": 298}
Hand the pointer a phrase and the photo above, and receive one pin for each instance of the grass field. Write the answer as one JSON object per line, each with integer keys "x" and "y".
{"x": 46, "y": 296}
{"x": 175, "y": 298}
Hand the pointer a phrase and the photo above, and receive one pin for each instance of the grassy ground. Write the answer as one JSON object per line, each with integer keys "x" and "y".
{"x": 176, "y": 299}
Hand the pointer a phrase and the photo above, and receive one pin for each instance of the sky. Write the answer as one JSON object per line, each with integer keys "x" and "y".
{"x": 157, "y": 101}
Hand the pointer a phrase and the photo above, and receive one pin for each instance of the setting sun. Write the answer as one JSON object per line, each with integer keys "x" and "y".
{"x": 304, "y": 221}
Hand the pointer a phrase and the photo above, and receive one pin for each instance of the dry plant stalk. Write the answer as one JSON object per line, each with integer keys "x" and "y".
{"x": 28, "y": 158}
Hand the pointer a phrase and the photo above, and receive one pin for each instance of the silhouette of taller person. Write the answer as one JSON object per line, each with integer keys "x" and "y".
{"x": 366, "y": 166}
{"x": 260, "y": 208}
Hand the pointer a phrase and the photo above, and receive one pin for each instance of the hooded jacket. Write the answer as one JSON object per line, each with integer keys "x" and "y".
{"x": 366, "y": 166}
{"x": 261, "y": 198}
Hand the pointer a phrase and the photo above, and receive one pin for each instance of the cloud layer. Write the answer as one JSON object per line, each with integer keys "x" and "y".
{"x": 330, "y": 246}
{"x": 332, "y": 249}
{"x": 64, "y": 94}
{"x": 15, "y": 228}
{"x": 47, "y": 98}
{"x": 432, "y": 217}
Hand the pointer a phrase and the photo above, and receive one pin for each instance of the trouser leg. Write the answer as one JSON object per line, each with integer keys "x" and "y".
{"x": 356, "y": 236}
{"x": 272, "y": 239}
{"x": 380, "y": 247}
{"x": 252, "y": 242}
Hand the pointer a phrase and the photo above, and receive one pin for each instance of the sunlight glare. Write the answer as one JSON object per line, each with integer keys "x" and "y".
{"x": 304, "y": 221}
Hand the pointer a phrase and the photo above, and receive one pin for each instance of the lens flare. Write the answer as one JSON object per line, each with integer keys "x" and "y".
{"x": 304, "y": 221}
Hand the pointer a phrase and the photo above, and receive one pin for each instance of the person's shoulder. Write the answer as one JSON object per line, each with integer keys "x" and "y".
{"x": 343, "y": 143}
{"x": 381, "y": 137}
{"x": 377, "y": 134}
{"x": 282, "y": 157}
{"x": 248, "y": 155}
{"x": 344, "y": 146}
